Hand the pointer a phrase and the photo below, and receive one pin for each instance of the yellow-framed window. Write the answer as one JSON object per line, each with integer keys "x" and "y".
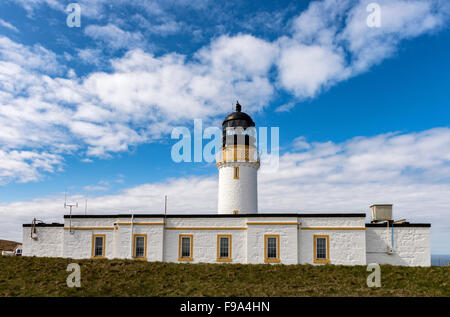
{"x": 140, "y": 246}
{"x": 224, "y": 248}
{"x": 235, "y": 212}
{"x": 185, "y": 247}
{"x": 98, "y": 245}
{"x": 236, "y": 172}
{"x": 321, "y": 249}
{"x": 271, "y": 248}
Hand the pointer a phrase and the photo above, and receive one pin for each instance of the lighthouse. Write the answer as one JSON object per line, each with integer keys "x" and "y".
{"x": 238, "y": 165}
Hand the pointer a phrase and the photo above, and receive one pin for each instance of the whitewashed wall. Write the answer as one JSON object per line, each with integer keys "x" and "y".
{"x": 347, "y": 244}
{"x": 238, "y": 194}
{"x": 49, "y": 243}
{"x": 288, "y": 238}
{"x": 154, "y": 234}
{"x": 78, "y": 243}
{"x": 351, "y": 243}
{"x": 411, "y": 246}
{"x": 205, "y": 241}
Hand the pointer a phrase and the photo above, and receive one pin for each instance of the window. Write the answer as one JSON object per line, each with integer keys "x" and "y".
{"x": 271, "y": 248}
{"x": 235, "y": 212}
{"x": 236, "y": 172}
{"x": 140, "y": 246}
{"x": 224, "y": 248}
{"x": 185, "y": 248}
{"x": 321, "y": 249}
{"x": 98, "y": 246}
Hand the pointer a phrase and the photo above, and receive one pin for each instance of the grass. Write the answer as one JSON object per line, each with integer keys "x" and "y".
{"x": 30, "y": 276}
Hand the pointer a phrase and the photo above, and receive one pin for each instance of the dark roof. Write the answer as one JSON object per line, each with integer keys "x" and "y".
{"x": 221, "y": 216}
{"x": 238, "y": 119}
{"x": 240, "y": 116}
{"x": 54, "y": 224}
{"x": 334, "y": 215}
{"x": 405, "y": 224}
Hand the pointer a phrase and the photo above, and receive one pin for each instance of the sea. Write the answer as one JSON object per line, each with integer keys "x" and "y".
{"x": 440, "y": 259}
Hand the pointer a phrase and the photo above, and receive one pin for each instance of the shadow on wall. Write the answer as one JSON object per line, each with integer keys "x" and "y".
{"x": 385, "y": 258}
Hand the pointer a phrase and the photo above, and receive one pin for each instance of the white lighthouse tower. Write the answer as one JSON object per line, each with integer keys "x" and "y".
{"x": 238, "y": 165}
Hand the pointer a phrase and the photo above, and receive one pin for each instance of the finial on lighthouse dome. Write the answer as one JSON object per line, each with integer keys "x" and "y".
{"x": 238, "y": 106}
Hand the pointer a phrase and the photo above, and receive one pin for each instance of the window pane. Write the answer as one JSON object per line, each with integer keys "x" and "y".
{"x": 140, "y": 247}
{"x": 224, "y": 247}
{"x": 98, "y": 249}
{"x": 321, "y": 248}
{"x": 185, "y": 247}
{"x": 271, "y": 248}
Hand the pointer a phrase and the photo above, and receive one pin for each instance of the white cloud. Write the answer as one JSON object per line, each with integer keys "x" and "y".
{"x": 31, "y": 5}
{"x": 114, "y": 36}
{"x": 8, "y": 25}
{"x": 169, "y": 89}
{"x": 300, "y": 143}
{"x": 26, "y": 166}
{"x": 36, "y": 57}
{"x": 89, "y": 8}
{"x": 165, "y": 28}
{"x": 141, "y": 99}
{"x": 90, "y": 55}
{"x": 285, "y": 107}
{"x": 400, "y": 20}
{"x": 93, "y": 188}
{"x": 331, "y": 41}
{"x": 304, "y": 70}
{"x": 391, "y": 158}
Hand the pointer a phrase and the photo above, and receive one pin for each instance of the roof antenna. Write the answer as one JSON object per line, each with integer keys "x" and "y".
{"x": 85, "y": 206}
{"x": 165, "y": 205}
{"x": 70, "y": 207}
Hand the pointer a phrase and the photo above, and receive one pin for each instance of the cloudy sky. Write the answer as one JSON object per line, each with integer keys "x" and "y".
{"x": 363, "y": 112}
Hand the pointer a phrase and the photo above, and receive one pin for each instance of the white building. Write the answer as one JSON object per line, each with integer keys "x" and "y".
{"x": 237, "y": 233}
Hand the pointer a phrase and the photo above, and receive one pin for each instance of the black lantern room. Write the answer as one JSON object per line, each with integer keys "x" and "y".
{"x": 238, "y": 128}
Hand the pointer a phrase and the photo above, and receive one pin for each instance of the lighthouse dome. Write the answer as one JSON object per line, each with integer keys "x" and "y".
{"x": 238, "y": 119}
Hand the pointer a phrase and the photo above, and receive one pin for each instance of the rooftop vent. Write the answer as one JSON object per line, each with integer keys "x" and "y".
{"x": 380, "y": 213}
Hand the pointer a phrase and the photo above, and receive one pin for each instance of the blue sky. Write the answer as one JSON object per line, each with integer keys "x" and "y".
{"x": 363, "y": 113}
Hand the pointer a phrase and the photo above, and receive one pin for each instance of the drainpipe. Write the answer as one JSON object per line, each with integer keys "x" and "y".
{"x": 392, "y": 236}
{"x": 131, "y": 237}
{"x": 390, "y": 223}
{"x": 115, "y": 240}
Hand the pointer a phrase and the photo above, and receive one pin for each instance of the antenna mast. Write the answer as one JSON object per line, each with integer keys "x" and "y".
{"x": 70, "y": 217}
{"x": 165, "y": 205}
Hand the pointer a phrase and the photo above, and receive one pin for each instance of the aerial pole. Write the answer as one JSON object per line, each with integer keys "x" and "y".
{"x": 70, "y": 214}
{"x": 165, "y": 206}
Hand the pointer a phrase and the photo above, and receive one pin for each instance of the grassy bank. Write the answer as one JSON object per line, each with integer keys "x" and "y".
{"x": 23, "y": 276}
